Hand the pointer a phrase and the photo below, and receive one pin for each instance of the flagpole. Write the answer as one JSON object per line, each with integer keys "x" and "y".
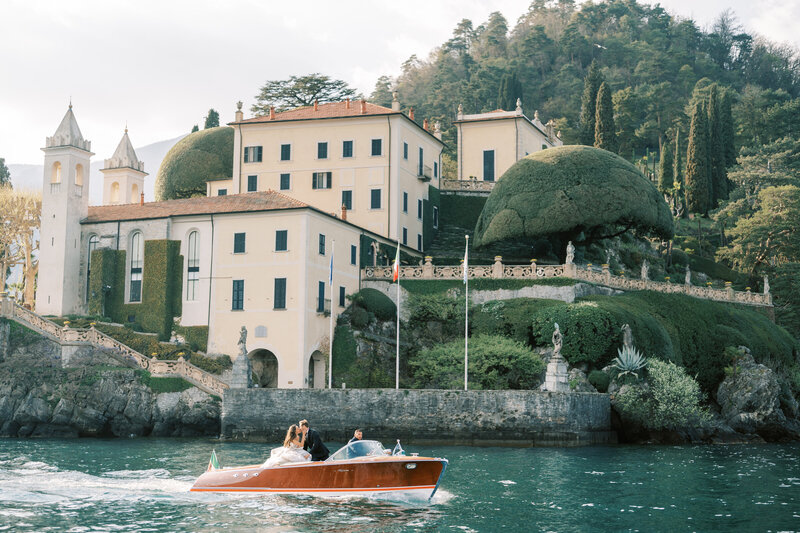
{"x": 466, "y": 313}
{"x": 330, "y": 348}
{"x": 397, "y": 355}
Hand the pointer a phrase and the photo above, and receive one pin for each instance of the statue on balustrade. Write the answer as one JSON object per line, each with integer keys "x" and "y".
{"x": 243, "y": 341}
{"x": 688, "y": 275}
{"x": 645, "y": 270}
{"x": 570, "y": 253}
{"x": 766, "y": 285}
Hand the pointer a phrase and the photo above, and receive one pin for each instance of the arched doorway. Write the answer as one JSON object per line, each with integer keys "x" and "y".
{"x": 316, "y": 370}
{"x": 264, "y": 367}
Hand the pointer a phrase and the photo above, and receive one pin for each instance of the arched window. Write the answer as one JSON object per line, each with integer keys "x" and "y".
{"x": 134, "y": 193}
{"x": 115, "y": 193}
{"x": 79, "y": 175}
{"x": 55, "y": 174}
{"x": 93, "y": 242}
{"x": 137, "y": 261}
{"x": 193, "y": 268}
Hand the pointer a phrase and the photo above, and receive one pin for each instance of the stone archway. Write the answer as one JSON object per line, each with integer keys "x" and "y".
{"x": 316, "y": 370}
{"x": 264, "y": 367}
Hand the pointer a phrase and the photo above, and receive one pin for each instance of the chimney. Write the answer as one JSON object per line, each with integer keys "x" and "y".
{"x": 363, "y": 107}
{"x": 272, "y": 112}
{"x": 411, "y": 113}
{"x": 239, "y": 114}
{"x": 395, "y": 102}
{"x": 344, "y": 212}
{"x": 347, "y": 104}
{"x": 141, "y": 199}
{"x": 425, "y": 124}
{"x": 316, "y": 105}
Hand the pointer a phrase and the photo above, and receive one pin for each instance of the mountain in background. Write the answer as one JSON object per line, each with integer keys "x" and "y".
{"x": 30, "y": 176}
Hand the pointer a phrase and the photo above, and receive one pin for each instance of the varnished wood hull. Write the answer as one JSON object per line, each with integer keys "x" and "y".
{"x": 362, "y": 476}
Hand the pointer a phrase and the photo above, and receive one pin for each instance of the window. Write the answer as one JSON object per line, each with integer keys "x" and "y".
{"x": 93, "y": 242}
{"x": 322, "y": 150}
{"x": 435, "y": 217}
{"x": 279, "y": 301}
{"x": 238, "y": 243}
{"x": 321, "y": 180}
{"x": 347, "y": 200}
{"x": 377, "y": 147}
{"x": 488, "y": 165}
{"x": 286, "y": 152}
{"x": 237, "y": 298}
{"x": 252, "y": 183}
{"x": 222, "y": 192}
{"x": 321, "y": 297}
{"x": 193, "y": 268}
{"x": 321, "y": 244}
{"x": 405, "y": 151}
{"x": 137, "y": 254}
{"x": 419, "y": 209}
{"x": 353, "y": 254}
{"x": 115, "y": 193}
{"x": 286, "y": 182}
{"x": 544, "y": 147}
{"x": 419, "y": 242}
{"x": 252, "y": 154}
{"x": 405, "y": 202}
{"x": 435, "y": 169}
{"x": 375, "y": 199}
{"x": 341, "y": 297}
{"x": 419, "y": 168}
{"x": 281, "y": 240}
{"x": 405, "y": 235}
{"x": 347, "y": 148}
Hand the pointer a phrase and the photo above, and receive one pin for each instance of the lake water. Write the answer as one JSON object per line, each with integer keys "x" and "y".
{"x": 142, "y": 485}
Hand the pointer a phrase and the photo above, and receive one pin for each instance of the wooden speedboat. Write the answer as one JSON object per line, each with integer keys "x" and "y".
{"x": 359, "y": 468}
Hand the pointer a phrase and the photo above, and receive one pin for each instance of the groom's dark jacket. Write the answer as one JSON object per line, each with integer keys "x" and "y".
{"x": 314, "y": 446}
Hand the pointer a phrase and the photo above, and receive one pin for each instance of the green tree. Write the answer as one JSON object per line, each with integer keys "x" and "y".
{"x": 300, "y": 91}
{"x": 5, "y": 174}
{"x": 666, "y": 170}
{"x": 728, "y": 129}
{"x": 605, "y": 134}
{"x": 716, "y": 150}
{"x": 510, "y": 90}
{"x": 591, "y": 85}
{"x": 697, "y": 182}
{"x": 382, "y": 94}
{"x": 679, "y": 198}
{"x": 194, "y": 129}
{"x": 212, "y": 120}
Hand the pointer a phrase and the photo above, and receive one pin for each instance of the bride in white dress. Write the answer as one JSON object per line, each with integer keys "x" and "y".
{"x": 292, "y": 450}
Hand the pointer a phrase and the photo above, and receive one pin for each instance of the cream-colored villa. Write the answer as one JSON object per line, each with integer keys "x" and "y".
{"x": 314, "y": 190}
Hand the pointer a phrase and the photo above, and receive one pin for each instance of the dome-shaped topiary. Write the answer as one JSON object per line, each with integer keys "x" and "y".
{"x": 197, "y": 158}
{"x": 571, "y": 191}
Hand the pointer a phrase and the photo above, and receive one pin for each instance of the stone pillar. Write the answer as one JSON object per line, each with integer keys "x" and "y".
{"x": 427, "y": 268}
{"x": 533, "y": 268}
{"x": 240, "y": 373}
{"x": 607, "y": 272}
{"x": 729, "y": 289}
{"x": 557, "y": 378}
{"x": 5, "y": 304}
{"x": 497, "y": 267}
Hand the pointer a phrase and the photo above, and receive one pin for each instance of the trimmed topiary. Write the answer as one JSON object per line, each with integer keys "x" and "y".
{"x": 572, "y": 192}
{"x": 197, "y": 158}
{"x": 589, "y": 332}
{"x": 376, "y": 302}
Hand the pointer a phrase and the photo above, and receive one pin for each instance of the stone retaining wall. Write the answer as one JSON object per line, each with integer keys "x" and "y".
{"x": 494, "y": 418}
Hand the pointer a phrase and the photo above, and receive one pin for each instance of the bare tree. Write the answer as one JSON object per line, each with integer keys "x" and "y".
{"x": 20, "y": 218}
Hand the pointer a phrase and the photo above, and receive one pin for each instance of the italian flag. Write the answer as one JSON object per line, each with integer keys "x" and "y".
{"x": 396, "y": 266}
{"x": 213, "y": 463}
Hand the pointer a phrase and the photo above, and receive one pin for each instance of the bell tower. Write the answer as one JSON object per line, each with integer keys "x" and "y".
{"x": 123, "y": 175}
{"x": 65, "y": 202}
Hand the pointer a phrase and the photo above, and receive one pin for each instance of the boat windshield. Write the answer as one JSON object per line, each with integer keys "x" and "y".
{"x": 360, "y": 448}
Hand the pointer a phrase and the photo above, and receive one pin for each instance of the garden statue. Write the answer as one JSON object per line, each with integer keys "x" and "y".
{"x": 570, "y": 253}
{"x": 557, "y": 341}
{"x": 243, "y": 341}
{"x": 688, "y": 275}
{"x": 608, "y": 257}
{"x": 766, "y": 285}
{"x": 645, "y": 270}
{"x": 556, "y": 378}
{"x": 627, "y": 336}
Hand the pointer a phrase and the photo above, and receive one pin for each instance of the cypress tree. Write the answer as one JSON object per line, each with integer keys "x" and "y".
{"x": 716, "y": 150}
{"x": 605, "y": 133}
{"x": 591, "y": 84}
{"x": 697, "y": 182}
{"x": 666, "y": 170}
{"x": 727, "y": 128}
{"x": 510, "y": 90}
{"x": 677, "y": 176}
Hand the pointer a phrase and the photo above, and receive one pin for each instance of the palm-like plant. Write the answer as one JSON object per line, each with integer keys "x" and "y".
{"x": 629, "y": 361}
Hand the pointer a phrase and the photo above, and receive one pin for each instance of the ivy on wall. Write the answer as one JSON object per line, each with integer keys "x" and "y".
{"x": 428, "y": 231}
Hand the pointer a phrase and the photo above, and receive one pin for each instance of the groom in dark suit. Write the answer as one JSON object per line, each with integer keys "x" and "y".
{"x": 313, "y": 443}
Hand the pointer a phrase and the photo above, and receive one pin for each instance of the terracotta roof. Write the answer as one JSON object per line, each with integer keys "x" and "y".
{"x": 327, "y": 110}
{"x": 233, "y": 203}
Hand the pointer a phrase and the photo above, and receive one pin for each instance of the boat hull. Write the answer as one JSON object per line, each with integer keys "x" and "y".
{"x": 406, "y": 476}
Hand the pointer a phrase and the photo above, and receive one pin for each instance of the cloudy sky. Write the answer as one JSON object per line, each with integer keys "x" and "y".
{"x": 159, "y": 65}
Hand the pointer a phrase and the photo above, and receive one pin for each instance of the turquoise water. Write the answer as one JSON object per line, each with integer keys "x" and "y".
{"x": 142, "y": 485}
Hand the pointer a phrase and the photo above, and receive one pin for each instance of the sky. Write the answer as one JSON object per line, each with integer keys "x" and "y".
{"x": 158, "y": 66}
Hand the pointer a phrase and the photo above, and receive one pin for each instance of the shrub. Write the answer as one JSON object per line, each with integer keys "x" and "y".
{"x": 590, "y": 332}
{"x": 599, "y": 380}
{"x": 376, "y": 302}
{"x": 344, "y": 353}
{"x": 215, "y": 365}
{"x": 435, "y": 307}
{"x": 160, "y": 385}
{"x": 508, "y": 318}
{"x": 494, "y": 363}
{"x": 196, "y": 336}
{"x": 359, "y": 318}
{"x": 671, "y": 399}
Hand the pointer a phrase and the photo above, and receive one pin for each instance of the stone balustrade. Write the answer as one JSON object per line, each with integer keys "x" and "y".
{"x": 599, "y": 276}
{"x": 469, "y": 185}
{"x": 66, "y": 335}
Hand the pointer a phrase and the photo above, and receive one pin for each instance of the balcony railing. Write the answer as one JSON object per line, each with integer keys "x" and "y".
{"x": 324, "y": 307}
{"x": 426, "y": 174}
{"x": 55, "y": 188}
{"x": 472, "y": 185}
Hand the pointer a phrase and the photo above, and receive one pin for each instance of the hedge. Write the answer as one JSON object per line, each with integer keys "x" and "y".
{"x": 377, "y": 303}
{"x": 460, "y": 210}
{"x": 344, "y": 354}
{"x": 419, "y": 286}
{"x": 509, "y": 318}
{"x": 589, "y": 332}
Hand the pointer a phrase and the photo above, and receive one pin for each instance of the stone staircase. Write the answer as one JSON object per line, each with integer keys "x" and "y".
{"x": 70, "y": 338}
